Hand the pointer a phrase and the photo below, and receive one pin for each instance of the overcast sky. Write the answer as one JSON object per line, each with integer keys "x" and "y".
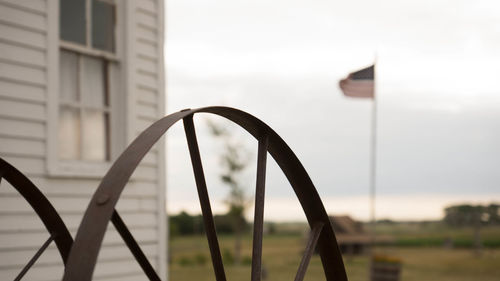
{"x": 438, "y": 95}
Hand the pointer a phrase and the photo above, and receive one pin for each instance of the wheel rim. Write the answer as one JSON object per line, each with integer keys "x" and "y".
{"x": 58, "y": 231}
{"x": 83, "y": 255}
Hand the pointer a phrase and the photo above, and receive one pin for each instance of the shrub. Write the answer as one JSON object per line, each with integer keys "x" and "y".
{"x": 247, "y": 260}
{"x": 185, "y": 261}
{"x": 227, "y": 257}
{"x": 200, "y": 259}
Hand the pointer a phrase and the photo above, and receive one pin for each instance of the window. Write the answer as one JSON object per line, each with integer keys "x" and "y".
{"x": 90, "y": 23}
{"x": 86, "y": 58}
{"x": 84, "y": 108}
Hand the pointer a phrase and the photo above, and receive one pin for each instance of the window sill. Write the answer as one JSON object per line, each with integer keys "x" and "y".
{"x": 88, "y": 51}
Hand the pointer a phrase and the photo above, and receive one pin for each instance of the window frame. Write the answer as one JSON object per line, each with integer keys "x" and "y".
{"x": 116, "y": 109}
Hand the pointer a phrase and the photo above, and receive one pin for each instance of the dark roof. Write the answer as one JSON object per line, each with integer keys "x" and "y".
{"x": 348, "y": 230}
{"x": 346, "y": 225}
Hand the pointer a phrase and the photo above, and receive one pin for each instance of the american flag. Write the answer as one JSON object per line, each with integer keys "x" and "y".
{"x": 359, "y": 84}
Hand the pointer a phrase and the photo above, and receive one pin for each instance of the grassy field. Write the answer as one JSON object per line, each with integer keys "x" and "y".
{"x": 190, "y": 260}
{"x": 435, "y": 233}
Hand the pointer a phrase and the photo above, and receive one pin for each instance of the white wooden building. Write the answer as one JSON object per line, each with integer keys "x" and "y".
{"x": 79, "y": 79}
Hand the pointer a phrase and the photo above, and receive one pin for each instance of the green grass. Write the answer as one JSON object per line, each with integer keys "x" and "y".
{"x": 435, "y": 234}
{"x": 282, "y": 254}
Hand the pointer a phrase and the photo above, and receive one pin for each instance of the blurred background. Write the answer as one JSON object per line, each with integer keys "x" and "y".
{"x": 438, "y": 113}
{"x": 409, "y": 174}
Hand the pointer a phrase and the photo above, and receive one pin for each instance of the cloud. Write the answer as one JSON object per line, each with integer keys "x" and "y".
{"x": 437, "y": 90}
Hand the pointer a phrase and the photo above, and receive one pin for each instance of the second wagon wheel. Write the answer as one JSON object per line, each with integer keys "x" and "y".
{"x": 58, "y": 232}
{"x": 83, "y": 255}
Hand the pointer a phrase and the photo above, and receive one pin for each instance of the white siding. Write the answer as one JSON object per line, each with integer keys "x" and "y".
{"x": 25, "y": 71}
{"x": 148, "y": 98}
{"x": 22, "y": 129}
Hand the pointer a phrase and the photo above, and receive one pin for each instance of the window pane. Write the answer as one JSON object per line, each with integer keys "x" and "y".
{"x": 72, "y": 21}
{"x": 103, "y": 25}
{"x": 69, "y": 134}
{"x": 93, "y": 82}
{"x": 95, "y": 136}
{"x": 68, "y": 84}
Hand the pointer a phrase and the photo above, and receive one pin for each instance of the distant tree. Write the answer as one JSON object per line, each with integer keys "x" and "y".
{"x": 185, "y": 224}
{"x": 492, "y": 214}
{"x": 225, "y": 224}
{"x": 467, "y": 215}
{"x": 271, "y": 227}
{"x": 234, "y": 160}
{"x": 473, "y": 216}
{"x": 385, "y": 221}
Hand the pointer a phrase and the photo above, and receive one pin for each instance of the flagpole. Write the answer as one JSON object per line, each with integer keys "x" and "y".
{"x": 373, "y": 163}
{"x": 361, "y": 84}
{"x": 373, "y": 166}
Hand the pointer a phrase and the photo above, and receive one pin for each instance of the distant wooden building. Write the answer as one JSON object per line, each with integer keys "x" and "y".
{"x": 351, "y": 237}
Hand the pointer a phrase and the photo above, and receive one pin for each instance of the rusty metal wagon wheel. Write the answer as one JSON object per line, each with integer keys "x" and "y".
{"x": 58, "y": 232}
{"x": 83, "y": 255}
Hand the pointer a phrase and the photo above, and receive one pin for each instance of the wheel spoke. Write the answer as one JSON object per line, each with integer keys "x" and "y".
{"x": 311, "y": 245}
{"x": 258, "y": 222}
{"x": 206, "y": 210}
{"x": 35, "y": 258}
{"x": 136, "y": 250}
